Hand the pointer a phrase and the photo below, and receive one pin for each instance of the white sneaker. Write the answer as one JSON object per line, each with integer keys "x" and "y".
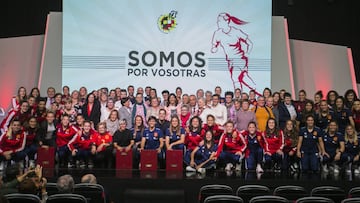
{"x": 31, "y": 164}
{"x": 259, "y": 169}
{"x": 325, "y": 168}
{"x": 201, "y": 170}
{"x": 238, "y": 167}
{"x": 228, "y": 167}
{"x": 336, "y": 169}
{"x": 190, "y": 169}
{"x": 356, "y": 171}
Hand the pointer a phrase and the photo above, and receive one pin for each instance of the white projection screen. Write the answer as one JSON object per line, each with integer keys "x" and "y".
{"x": 166, "y": 44}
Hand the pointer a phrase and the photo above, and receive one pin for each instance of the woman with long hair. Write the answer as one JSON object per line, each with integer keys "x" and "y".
{"x": 349, "y": 97}
{"x": 355, "y": 110}
{"x": 203, "y": 156}
{"x": 291, "y": 137}
{"x": 324, "y": 116}
{"x": 274, "y": 138}
{"x": 342, "y": 115}
{"x": 175, "y": 135}
{"x": 112, "y": 122}
{"x": 193, "y": 137}
{"x": 211, "y": 125}
{"x": 350, "y": 157}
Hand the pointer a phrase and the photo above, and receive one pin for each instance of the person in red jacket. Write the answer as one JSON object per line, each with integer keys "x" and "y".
{"x": 22, "y": 115}
{"x": 104, "y": 149}
{"x": 231, "y": 148}
{"x": 64, "y": 133}
{"x": 12, "y": 142}
{"x": 192, "y": 138}
{"x": 274, "y": 145}
{"x": 83, "y": 145}
{"x": 254, "y": 153}
{"x": 215, "y": 128}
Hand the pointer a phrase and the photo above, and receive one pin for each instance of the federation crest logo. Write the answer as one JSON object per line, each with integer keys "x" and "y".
{"x": 167, "y": 22}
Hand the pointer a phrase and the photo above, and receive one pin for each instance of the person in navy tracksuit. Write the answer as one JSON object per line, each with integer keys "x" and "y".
{"x": 203, "y": 156}
{"x": 350, "y": 156}
{"x": 334, "y": 146}
{"x": 175, "y": 135}
{"x": 307, "y": 148}
{"x": 254, "y": 153}
{"x": 153, "y": 139}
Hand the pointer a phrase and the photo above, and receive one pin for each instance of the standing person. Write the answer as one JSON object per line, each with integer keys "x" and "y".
{"x": 342, "y": 115}
{"x": 50, "y": 97}
{"x": 139, "y": 108}
{"x": 310, "y": 137}
{"x": 105, "y": 112}
{"x": 229, "y": 104}
{"x": 219, "y": 111}
{"x": 125, "y": 112}
{"x": 262, "y": 113}
{"x": 254, "y": 153}
{"x": 244, "y": 116}
{"x": 153, "y": 139}
{"x": 173, "y": 107}
{"x": 184, "y": 115}
{"x": 291, "y": 137}
{"x": 69, "y": 110}
{"x": 199, "y": 93}
{"x": 215, "y": 128}
{"x": 274, "y": 137}
{"x": 12, "y": 142}
{"x": 178, "y": 92}
{"x": 287, "y": 111}
{"x": 349, "y": 97}
{"x": 308, "y": 110}
{"x": 40, "y": 111}
{"x": 22, "y": 115}
{"x": 300, "y": 104}
{"x": 175, "y": 135}
{"x": 165, "y": 98}
{"x": 154, "y": 108}
{"x": 266, "y": 93}
{"x": 193, "y": 105}
{"x": 20, "y": 97}
{"x": 334, "y": 145}
{"x": 82, "y": 95}
{"x": 48, "y": 131}
{"x": 317, "y": 99}
{"x": 330, "y": 98}
{"x": 231, "y": 148}
{"x": 203, "y": 157}
{"x": 64, "y": 133}
{"x": 350, "y": 157}
{"x": 83, "y": 145}
{"x": 325, "y": 115}
{"x": 130, "y": 91}
{"x": 162, "y": 123}
{"x": 91, "y": 109}
{"x": 355, "y": 110}
{"x": 104, "y": 148}
{"x": 112, "y": 122}
{"x": 208, "y": 98}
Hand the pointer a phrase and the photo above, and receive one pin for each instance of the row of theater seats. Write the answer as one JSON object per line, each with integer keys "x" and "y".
{"x": 83, "y": 193}
{"x": 281, "y": 194}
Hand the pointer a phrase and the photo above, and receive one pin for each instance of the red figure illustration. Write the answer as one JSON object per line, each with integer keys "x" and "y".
{"x": 234, "y": 42}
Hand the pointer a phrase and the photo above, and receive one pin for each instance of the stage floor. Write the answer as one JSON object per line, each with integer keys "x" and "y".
{"x": 119, "y": 182}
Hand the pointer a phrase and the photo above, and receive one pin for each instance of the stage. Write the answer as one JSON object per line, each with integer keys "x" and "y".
{"x": 125, "y": 186}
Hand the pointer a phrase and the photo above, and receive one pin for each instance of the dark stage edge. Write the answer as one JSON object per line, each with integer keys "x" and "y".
{"x": 122, "y": 185}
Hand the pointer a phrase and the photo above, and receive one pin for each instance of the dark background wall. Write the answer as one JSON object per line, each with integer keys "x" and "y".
{"x": 326, "y": 21}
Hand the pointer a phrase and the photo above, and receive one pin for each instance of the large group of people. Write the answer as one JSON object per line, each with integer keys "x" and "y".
{"x": 233, "y": 130}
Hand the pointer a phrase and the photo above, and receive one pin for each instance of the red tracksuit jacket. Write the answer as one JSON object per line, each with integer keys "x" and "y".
{"x": 64, "y": 135}
{"x": 82, "y": 141}
{"x": 274, "y": 142}
{"x": 14, "y": 143}
{"x": 230, "y": 143}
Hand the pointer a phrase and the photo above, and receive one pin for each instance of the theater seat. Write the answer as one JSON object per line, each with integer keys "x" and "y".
{"x": 22, "y": 198}
{"x": 335, "y": 193}
{"x": 223, "y": 199}
{"x": 210, "y": 190}
{"x": 291, "y": 192}
{"x": 94, "y": 193}
{"x": 51, "y": 189}
{"x": 246, "y": 192}
{"x": 354, "y": 192}
{"x": 268, "y": 199}
{"x": 66, "y": 198}
{"x": 314, "y": 200}
{"x": 351, "y": 200}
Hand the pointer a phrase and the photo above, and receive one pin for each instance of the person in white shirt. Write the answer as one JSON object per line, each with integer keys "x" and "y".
{"x": 105, "y": 112}
{"x": 219, "y": 110}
